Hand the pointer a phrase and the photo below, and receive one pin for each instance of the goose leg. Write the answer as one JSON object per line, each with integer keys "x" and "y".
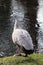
{"x": 18, "y": 50}
{"x": 19, "y": 53}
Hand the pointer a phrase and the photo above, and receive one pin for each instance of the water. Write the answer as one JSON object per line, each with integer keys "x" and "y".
{"x": 40, "y": 21}
{"x": 30, "y": 17}
{"x": 5, "y": 27}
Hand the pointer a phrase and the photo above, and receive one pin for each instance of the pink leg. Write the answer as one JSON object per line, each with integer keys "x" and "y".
{"x": 18, "y": 50}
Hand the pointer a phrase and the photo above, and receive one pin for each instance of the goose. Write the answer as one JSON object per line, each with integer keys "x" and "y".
{"x": 22, "y": 38}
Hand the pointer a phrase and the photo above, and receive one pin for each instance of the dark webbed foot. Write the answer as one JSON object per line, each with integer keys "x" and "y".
{"x": 17, "y": 55}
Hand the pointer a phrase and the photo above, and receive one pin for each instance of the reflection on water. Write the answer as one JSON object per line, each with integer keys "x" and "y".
{"x": 29, "y": 14}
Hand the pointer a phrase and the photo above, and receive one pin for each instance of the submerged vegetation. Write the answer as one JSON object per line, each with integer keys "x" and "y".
{"x": 33, "y": 59}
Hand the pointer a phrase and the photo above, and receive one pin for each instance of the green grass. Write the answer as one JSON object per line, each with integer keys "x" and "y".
{"x": 34, "y": 59}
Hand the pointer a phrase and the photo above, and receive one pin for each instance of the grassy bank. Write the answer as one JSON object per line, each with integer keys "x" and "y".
{"x": 34, "y": 59}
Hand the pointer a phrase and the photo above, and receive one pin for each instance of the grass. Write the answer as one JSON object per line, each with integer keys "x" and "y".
{"x": 33, "y": 59}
